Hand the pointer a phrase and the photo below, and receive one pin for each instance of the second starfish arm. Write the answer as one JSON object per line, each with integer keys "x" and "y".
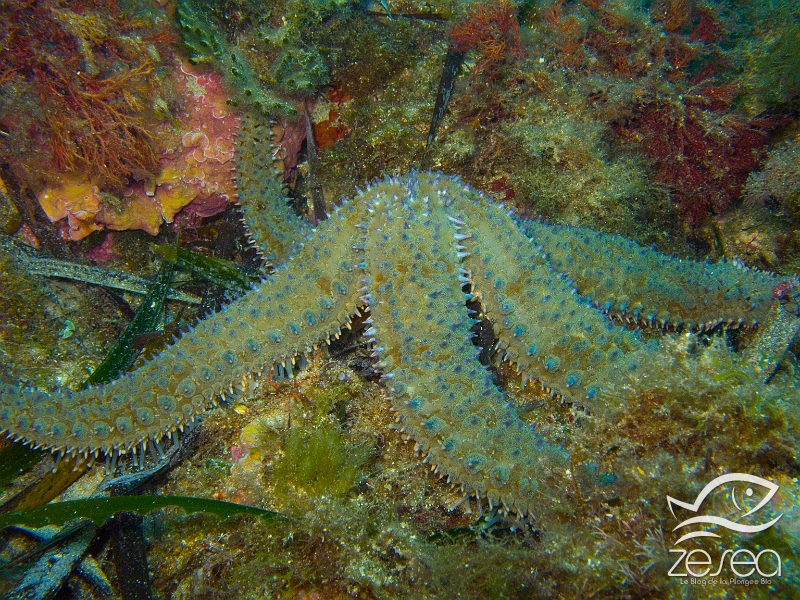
{"x": 553, "y": 334}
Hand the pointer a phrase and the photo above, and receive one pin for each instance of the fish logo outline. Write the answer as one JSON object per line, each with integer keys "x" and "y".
{"x": 721, "y": 521}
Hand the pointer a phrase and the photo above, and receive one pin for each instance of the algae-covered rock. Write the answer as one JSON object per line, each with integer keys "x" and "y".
{"x": 778, "y": 182}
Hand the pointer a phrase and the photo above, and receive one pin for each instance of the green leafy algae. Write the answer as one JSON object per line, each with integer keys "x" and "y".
{"x": 319, "y": 456}
{"x": 207, "y": 45}
{"x": 146, "y": 319}
{"x": 216, "y": 270}
{"x": 772, "y": 62}
{"x": 319, "y": 460}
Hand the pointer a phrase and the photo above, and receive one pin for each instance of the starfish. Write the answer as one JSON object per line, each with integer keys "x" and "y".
{"x": 404, "y": 251}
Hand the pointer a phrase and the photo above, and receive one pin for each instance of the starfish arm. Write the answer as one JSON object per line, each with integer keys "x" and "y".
{"x": 552, "y": 333}
{"x": 287, "y": 313}
{"x": 444, "y": 396}
{"x": 274, "y": 227}
{"x": 630, "y": 281}
{"x": 775, "y": 335}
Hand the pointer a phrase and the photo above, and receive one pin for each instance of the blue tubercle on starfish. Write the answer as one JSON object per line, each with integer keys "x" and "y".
{"x": 404, "y": 250}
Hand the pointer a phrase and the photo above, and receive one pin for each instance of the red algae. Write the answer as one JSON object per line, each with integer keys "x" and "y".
{"x": 194, "y": 163}
{"x": 492, "y": 29}
{"x": 89, "y": 106}
{"x": 700, "y": 151}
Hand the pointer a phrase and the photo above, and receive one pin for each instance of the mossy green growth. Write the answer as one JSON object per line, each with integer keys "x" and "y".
{"x": 300, "y": 70}
{"x": 316, "y": 42}
{"x": 565, "y": 168}
{"x": 207, "y": 45}
{"x": 778, "y": 181}
{"x": 320, "y": 456}
{"x": 764, "y": 56}
{"x": 319, "y": 460}
{"x": 391, "y": 132}
{"x": 776, "y": 64}
{"x": 23, "y": 304}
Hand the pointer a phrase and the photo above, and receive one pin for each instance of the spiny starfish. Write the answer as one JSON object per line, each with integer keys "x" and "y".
{"x": 403, "y": 250}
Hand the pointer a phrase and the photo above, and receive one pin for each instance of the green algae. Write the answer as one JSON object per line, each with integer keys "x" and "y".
{"x": 319, "y": 460}
{"x": 318, "y": 457}
{"x": 293, "y": 49}
{"x": 206, "y": 44}
{"x": 778, "y": 180}
{"x": 98, "y": 510}
{"x": 146, "y": 319}
{"x": 768, "y": 53}
{"x": 780, "y": 66}
{"x": 300, "y": 70}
